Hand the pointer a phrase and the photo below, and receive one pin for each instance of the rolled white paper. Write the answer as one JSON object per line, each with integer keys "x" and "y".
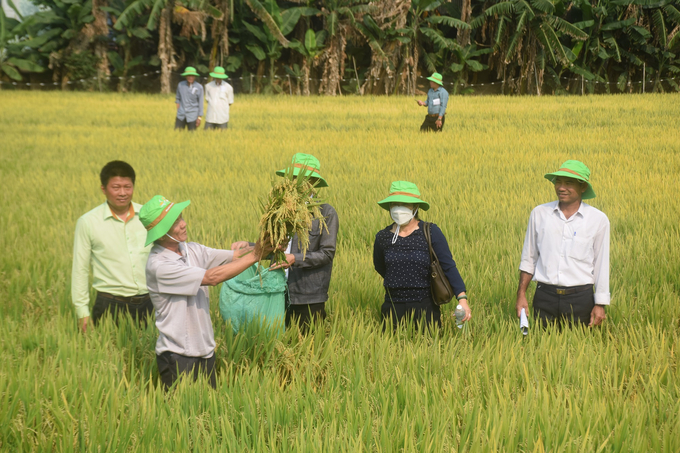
{"x": 523, "y": 322}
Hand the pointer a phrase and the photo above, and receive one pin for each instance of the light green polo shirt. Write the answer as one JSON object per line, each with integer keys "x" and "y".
{"x": 115, "y": 252}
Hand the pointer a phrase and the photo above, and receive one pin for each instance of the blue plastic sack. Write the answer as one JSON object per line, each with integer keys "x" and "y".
{"x": 246, "y": 297}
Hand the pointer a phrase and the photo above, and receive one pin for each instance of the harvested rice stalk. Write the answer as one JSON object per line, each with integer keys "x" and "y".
{"x": 289, "y": 209}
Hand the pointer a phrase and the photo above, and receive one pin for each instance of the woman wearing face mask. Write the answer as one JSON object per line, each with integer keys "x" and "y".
{"x": 401, "y": 256}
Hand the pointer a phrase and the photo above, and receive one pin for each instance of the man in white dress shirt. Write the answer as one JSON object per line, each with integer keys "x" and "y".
{"x": 219, "y": 95}
{"x": 566, "y": 251}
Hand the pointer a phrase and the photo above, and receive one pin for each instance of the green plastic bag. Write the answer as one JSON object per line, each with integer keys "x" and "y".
{"x": 245, "y": 298}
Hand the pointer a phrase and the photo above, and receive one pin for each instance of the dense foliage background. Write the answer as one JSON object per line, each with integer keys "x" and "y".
{"x": 347, "y": 46}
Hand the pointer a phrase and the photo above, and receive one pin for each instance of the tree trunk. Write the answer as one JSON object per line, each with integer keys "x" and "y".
{"x": 414, "y": 68}
{"x": 220, "y": 36}
{"x": 260, "y": 74}
{"x": 165, "y": 50}
{"x": 305, "y": 76}
{"x": 465, "y": 13}
{"x": 333, "y": 56}
{"x": 101, "y": 30}
{"x": 122, "y": 84}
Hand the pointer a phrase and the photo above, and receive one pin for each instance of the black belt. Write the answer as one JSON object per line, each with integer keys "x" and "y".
{"x": 130, "y": 299}
{"x": 563, "y": 290}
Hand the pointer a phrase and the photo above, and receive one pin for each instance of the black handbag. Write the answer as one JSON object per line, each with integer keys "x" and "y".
{"x": 442, "y": 293}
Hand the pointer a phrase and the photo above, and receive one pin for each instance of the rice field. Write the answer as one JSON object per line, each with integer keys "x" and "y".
{"x": 348, "y": 386}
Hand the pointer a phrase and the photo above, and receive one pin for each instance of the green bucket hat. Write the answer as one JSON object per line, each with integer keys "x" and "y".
{"x": 158, "y": 215}
{"x": 218, "y": 73}
{"x": 577, "y": 170}
{"x": 307, "y": 164}
{"x": 403, "y": 192}
{"x": 190, "y": 70}
{"x": 436, "y": 78}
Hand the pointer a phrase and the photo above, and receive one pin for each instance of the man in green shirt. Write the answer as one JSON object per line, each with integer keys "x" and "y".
{"x": 110, "y": 239}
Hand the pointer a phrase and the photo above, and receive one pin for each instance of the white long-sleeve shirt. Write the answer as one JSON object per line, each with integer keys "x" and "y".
{"x": 219, "y": 98}
{"x": 568, "y": 252}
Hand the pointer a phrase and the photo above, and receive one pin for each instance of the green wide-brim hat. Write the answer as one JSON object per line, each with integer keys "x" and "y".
{"x": 219, "y": 73}
{"x": 190, "y": 70}
{"x": 577, "y": 170}
{"x": 308, "y": 165}
{"x": 404, "y": 192}
{"x": 158, "y": 215}
{"x": 436, "y": 78}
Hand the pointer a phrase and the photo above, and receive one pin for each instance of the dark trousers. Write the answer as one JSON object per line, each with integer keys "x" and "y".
{"x": 181, "y": 124}
{"x": 209, "y": 126}
{"x": 422, "y": 313}
{"x": 173, "y": 366}
{"x": 303, "y": 314}
{"x": 140, "y": 308}
{"x": 553, "y": 308}
{"x": 429, "y": 123}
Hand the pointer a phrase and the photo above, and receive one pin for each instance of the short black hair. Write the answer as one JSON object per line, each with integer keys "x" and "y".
{"x": 116, "y": 168}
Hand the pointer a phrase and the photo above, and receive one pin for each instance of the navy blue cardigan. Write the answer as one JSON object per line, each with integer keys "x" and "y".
{"x": 405, "y": 265}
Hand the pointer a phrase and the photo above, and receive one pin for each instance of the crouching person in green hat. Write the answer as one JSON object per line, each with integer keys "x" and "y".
{"x": 437, "y": 99}
{"x": 309, "y": 276}
{"x": 219, "y": 95}
{"x": 177, "y": 276}
{"x": 566, "y": 250}
{"x": 189, "y": 100}
{"x": 401, "y": 255}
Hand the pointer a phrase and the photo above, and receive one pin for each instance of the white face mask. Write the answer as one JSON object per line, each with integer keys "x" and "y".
{"x": 402, "y": 215}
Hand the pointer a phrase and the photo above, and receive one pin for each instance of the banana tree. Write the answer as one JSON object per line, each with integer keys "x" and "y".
{"x": 664, "y": 20}
{"x": 272, "y": 36}
{"x": 64, "y": 33}
{"x": 124, "y": 40}
{"x": 467, "y": 61}
{"x": 13, "y": 58}
{"x": 310, "y": 50}
{"x": 423, "y": 30}
{"x": 161, "y": 16}
{"x": 527, "y": 35}
{"x": 340, "y": 18}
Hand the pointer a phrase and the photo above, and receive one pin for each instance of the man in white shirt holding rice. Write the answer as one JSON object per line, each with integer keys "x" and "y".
{"x": 219, "y": 95}
{"x": 566, "y": 250}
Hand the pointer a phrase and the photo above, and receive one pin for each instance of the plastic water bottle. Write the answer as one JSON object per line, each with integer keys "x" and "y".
{"x": 460, "y": 315}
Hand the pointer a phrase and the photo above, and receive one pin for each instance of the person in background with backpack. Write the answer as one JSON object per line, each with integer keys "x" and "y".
{"x": 401, "y": 255}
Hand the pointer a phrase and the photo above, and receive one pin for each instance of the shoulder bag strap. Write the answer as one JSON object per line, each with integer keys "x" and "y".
{"x": 428, "y": 237}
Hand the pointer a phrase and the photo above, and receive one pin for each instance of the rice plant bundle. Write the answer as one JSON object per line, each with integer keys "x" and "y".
{"x": 289, "y": 209}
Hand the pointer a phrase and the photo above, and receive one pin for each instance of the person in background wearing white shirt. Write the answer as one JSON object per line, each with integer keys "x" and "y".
{"x": 566, "y": 251}
{"x": 219, "y": 95}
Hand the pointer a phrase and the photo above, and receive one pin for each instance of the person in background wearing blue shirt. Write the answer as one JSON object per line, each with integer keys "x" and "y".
{"x": 189, "y": 100}
{"x": 437, "y": 98}
{"x": 401, "y": 256}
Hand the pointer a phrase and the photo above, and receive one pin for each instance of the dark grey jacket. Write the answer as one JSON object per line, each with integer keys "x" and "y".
{"x": 308, "y": 279}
